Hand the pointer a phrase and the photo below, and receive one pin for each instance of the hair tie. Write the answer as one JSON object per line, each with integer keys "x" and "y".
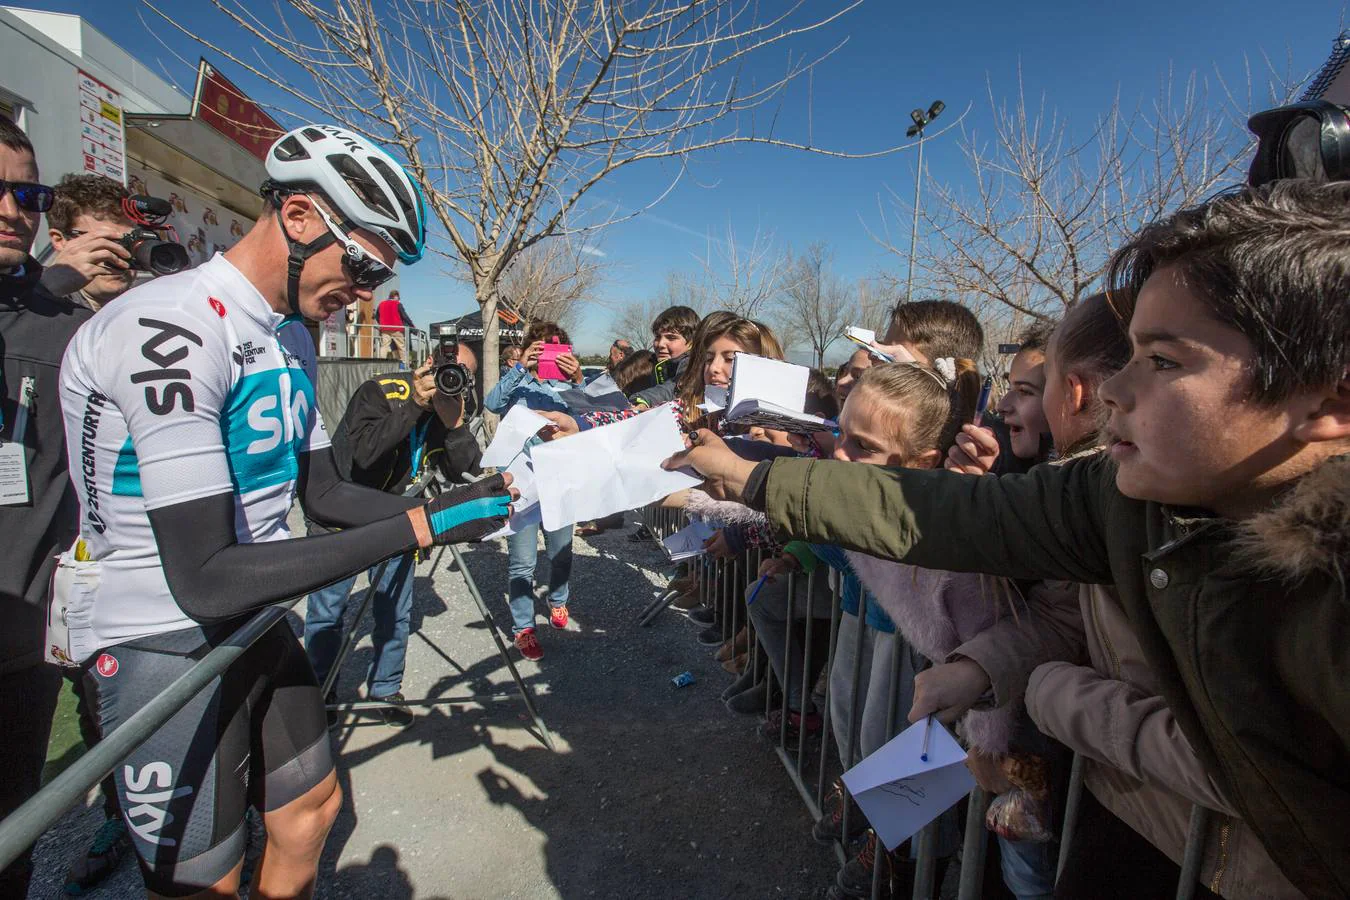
{"x": 946, "y": 366}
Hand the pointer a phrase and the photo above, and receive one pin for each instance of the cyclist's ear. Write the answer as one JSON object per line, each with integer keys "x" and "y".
{"x": 299, "y": 217}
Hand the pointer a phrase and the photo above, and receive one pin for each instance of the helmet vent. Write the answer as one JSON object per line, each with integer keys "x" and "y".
{"x": 361, "y": 184}
{"x": 290, "y": 149}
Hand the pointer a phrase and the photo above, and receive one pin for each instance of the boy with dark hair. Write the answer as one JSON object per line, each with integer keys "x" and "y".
{"x": 1219, "y": 513}
{"x": 672, "y": 336}
{"x": 38, "y": 510}
{"x": 85, "y": 225}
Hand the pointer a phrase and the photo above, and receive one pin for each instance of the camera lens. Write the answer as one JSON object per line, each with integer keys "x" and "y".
{"x": 452, "y": 379}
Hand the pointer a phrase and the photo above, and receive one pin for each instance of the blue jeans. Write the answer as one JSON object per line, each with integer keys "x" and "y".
{"x": 1029, "y": 868}
{"x": 392, "y": 609}
{"x": 523, "y": 554}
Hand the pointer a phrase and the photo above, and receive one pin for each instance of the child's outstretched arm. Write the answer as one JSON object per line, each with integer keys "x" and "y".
{"x": 1046, "y": 524}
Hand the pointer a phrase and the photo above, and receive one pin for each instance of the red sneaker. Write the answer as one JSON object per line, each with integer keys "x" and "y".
{"x": 528, "y": 645}
{"x": 557, "y": 616}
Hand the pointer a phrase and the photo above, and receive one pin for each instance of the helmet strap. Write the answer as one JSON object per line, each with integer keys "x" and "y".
{"x": 295, "y": 260}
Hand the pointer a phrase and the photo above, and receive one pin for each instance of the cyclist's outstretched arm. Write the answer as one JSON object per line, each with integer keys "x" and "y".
{"x": 331, "y": 500}
{"x": 176, "y": 397}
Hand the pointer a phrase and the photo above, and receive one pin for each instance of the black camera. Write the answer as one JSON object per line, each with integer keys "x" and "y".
{"x": 151, "y": 253}
{"x": 453, "y": 378}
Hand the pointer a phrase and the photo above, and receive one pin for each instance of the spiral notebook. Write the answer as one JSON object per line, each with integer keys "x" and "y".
{"x": 771, "y": 393}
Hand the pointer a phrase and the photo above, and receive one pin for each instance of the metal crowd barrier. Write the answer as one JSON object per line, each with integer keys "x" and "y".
{"x": 722, "y": 586}
{"x": 364, "y": 342}
{"x": 27, "y": 823}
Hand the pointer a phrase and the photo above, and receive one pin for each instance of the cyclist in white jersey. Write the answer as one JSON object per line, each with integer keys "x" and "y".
{"x": 192, "y": 426}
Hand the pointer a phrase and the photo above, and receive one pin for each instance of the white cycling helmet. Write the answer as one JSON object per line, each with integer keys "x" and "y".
{"x": 366, "y": 184}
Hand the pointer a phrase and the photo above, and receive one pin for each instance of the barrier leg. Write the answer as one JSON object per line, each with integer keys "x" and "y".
{"x": 1074, "y": 796}
{"x": 1195, "y": 853}
{"x": 974, "y": 847}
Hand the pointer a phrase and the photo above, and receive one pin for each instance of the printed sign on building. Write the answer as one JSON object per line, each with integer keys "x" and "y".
{"x": 204, "y": 226}
{"x": 102, "y": 138}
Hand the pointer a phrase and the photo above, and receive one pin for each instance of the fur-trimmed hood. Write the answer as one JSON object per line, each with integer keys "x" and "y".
{"x": 720, "y": 512}
{"x": 1308, "y": 531}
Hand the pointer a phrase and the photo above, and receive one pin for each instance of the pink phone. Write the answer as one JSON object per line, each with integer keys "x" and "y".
{"x": 548, "y": 360}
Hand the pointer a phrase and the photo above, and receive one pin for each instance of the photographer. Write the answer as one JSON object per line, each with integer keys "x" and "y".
{"x": 86, "y": 224}
{"x": 395, "y": 425}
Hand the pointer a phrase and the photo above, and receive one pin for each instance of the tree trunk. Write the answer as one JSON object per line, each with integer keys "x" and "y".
{"x": 487, "y": 304}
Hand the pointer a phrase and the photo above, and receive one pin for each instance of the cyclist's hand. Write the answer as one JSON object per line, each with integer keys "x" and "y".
{"x": 424, "y": 385}
{"x": 470, "y": 512}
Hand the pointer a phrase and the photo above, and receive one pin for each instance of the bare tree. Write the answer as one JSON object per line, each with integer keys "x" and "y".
{"x": 1045, "y": 207}
{"x": 816, "y": 303}
{"x": 510, "y": 112}
{"x": 551, "y": 280}
{"x": 634, "y": 319}
{"x": 743, "y": 277}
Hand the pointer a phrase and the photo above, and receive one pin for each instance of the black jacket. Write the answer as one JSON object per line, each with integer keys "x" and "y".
{"x": 668, "y": 374}
{"x": 373, "y": 442}
{"x": 34, "y": 330}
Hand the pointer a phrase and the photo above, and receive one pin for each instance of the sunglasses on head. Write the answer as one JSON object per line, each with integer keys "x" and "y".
{"x": 364, "y": 270}
{"x": 1310, "y": 139}
{"x": 31, "y": 197}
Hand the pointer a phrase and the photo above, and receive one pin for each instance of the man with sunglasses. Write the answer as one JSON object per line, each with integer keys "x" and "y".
{"x": 37, "y": 507}
{"x": 190, "y": 409}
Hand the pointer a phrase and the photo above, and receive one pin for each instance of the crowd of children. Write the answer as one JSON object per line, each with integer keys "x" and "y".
{"x": 1139, "y": 557}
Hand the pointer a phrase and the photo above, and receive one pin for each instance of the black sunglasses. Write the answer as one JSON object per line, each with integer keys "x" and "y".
{"x": 1310, "y": 139}
{"x": 32, "y": 197}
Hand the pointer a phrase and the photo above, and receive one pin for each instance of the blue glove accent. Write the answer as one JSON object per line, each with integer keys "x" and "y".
{"x": 452, "y": 517}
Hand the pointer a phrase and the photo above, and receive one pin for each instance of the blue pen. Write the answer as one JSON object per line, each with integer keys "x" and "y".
{"x": 755, "y": 593}
{"x": 927, "y": 730}
{"x": 985, "y": 391}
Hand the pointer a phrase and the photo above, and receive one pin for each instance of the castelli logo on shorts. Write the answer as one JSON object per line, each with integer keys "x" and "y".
{"x": 217, "y": 306}
{"x": 106, "y": 666}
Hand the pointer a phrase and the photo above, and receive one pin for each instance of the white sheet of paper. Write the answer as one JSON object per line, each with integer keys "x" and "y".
{"x": 777, "y": 382}
{"x": 714, "y": 399}
{"x": 899, "y": 792}
{"x": 688, "y": 541}
{"x": 517, "y": 427}
{"x": 526, "y": 509}
{"x": 609, "y": 469}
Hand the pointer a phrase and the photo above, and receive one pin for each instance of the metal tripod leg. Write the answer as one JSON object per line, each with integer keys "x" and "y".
{"x": 350, "y": 639}
{"x": 525, "y": 695}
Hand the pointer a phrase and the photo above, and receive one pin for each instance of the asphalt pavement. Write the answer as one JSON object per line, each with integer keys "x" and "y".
{"x": 653, "y": 791}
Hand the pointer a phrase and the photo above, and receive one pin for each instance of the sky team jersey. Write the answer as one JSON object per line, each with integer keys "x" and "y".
{"x": 186, "y": 387}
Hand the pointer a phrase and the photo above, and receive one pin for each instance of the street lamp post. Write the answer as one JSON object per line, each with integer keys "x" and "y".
{"x": 921, "y": 120}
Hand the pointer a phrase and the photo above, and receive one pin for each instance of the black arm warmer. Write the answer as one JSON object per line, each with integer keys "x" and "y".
{"x": 331, "y": 501}
{"x": 214, "y": 577}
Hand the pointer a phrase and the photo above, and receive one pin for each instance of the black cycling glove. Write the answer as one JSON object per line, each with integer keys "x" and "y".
{"x": 470, "y": 512}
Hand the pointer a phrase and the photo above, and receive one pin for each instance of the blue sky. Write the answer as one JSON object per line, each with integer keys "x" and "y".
{"x": 898, "y": 56}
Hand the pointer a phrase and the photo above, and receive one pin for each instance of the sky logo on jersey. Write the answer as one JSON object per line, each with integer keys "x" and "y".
{"x": 146, "y": 801}
{"x": 265, "y": 423}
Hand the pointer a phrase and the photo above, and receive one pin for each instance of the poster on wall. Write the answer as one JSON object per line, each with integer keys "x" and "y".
{"x": 203, "y": 225}
{"x": 102, "y": 137}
